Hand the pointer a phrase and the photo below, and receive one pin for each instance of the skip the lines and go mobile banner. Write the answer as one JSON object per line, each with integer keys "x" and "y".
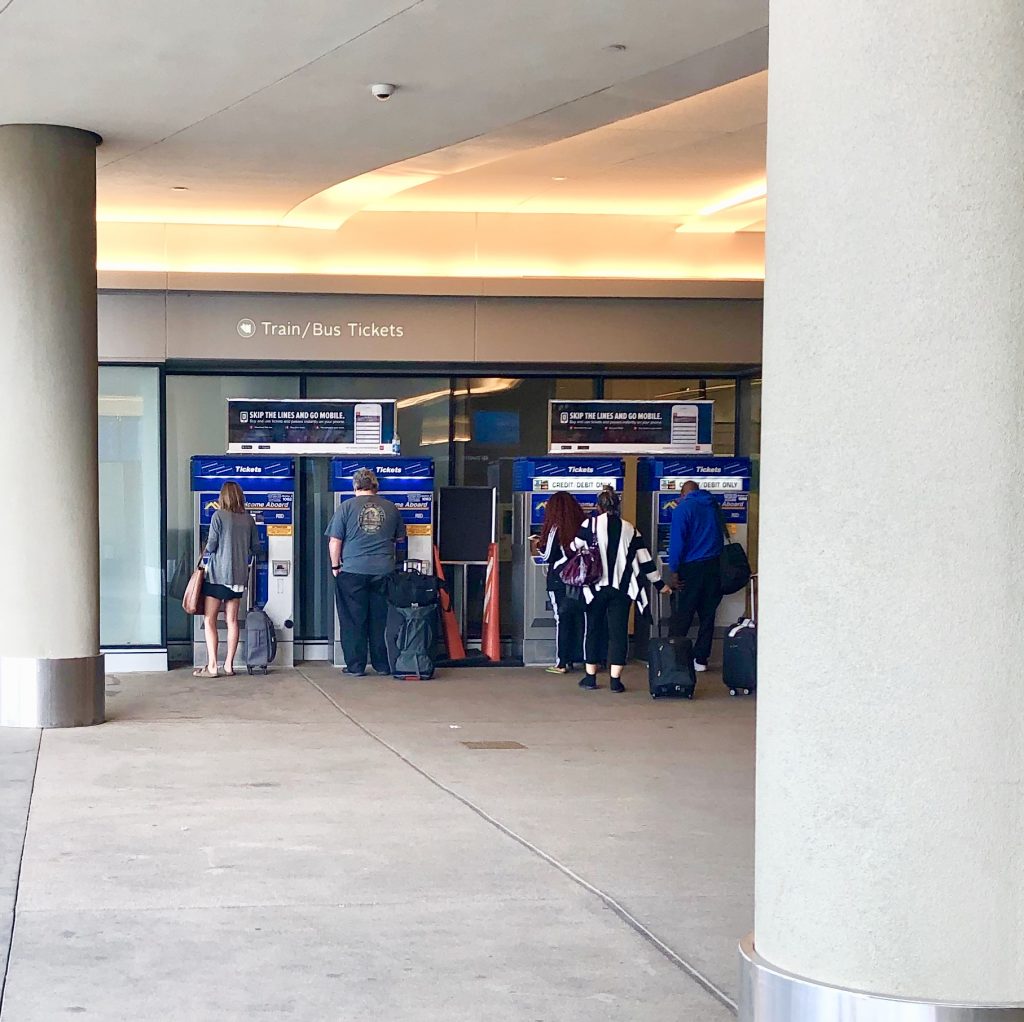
{"x": 630, "y": 427}
{"x": 316, "y": 426}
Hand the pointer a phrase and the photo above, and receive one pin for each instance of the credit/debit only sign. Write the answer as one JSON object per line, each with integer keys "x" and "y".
{"x": 630, "y": 427}
{"x": 315, "y": 426}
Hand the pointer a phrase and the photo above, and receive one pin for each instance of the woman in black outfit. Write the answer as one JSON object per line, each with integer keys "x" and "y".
{"x": 626, "y": 564}
{"x": 563, "y": 517}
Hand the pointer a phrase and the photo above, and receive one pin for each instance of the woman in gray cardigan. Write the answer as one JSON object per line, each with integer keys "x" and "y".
{"x": 230, "y": 549}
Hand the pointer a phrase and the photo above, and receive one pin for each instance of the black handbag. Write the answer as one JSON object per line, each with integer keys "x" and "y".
{"x": 733, "y": 565}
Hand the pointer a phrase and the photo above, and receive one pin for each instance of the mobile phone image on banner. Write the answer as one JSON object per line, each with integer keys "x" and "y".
{"x": 684, "y": 426}
{"x": 369, "y": 417}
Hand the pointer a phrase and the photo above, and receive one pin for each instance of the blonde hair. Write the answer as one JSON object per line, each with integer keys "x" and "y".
{"x": 231, "y": 498}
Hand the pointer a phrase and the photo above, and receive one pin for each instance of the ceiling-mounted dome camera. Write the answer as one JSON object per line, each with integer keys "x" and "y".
{"x": 383, "y": 91}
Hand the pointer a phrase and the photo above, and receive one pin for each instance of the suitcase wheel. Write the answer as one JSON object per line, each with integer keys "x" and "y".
{"x": 689, "y": 695}
{"x": 654, "y": 695}
{"x": 733, "y": 692}
{"x": 249, "y": 669}
{"x": 746, "y": 691}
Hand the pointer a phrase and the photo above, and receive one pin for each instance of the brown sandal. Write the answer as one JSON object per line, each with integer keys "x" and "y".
{"x": 204, "y": 672}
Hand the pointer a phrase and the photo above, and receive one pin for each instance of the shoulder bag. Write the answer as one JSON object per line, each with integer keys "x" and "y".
{"x": 192, "y": 601}
{"x": 584, "y": 566}
{"x": 734, "y": 567}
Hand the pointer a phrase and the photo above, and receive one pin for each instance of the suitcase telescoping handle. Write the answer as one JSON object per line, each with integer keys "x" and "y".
{"x": 753, "y": 597}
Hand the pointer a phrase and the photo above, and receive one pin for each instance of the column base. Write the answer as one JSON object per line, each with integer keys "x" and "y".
{"x": 36, "y": 692}
{"x": 769, "y": 994}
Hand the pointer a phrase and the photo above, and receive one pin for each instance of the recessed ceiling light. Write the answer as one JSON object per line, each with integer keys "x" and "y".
{"x": 559, "y": 179}
{"x": 179, "y": 188}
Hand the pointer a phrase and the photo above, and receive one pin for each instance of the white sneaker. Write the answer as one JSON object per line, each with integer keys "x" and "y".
{"x": 699, "y": 667}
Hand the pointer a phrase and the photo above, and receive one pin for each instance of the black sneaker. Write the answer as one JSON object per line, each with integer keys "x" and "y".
{"x": 353, "y": 673}
{"x": 588, "y": 681}
{"x": 617, "y": 685}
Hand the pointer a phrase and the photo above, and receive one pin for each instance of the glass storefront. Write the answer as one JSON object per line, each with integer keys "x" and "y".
{"x": 473, "y": 427}
{"x": 131, "y": 579}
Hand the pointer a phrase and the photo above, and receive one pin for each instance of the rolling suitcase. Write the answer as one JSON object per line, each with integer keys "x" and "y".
{"x": 260, "y": 641}
{"x": 410, "y": 636}
{"x": 670, "y": 672}
{"x": 739, "y": 665}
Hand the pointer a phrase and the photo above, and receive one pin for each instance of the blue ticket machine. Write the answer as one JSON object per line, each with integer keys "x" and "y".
{"x": 408, "y": 483}
{"x": 659, "y": 481}
{"x": 534, "y": 480}
{"x": 269, "y": 487}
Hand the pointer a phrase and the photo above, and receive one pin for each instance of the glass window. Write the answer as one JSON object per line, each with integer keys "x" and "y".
{"x": 197, "y": 423}
{"x": 498, "y": 419}
{"x": 722, "y": 392}
{"x": 423, "y": 409}
{"x": 131, "y": 589}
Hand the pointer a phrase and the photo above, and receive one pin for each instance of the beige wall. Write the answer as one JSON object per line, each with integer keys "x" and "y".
{"x": 159, "y": 326}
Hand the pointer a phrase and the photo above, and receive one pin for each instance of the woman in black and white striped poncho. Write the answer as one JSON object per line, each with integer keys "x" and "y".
{"x": 626, "y": 566}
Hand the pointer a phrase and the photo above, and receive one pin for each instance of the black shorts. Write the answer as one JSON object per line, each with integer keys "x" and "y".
{"x": 219, "y": 592}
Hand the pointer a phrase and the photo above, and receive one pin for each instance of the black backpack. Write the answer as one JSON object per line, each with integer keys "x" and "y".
{"x": 734, "y": 568}
{"x": 408, "y": 588}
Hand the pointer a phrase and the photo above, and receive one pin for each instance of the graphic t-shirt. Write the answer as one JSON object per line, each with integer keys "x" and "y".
{"x": 368, "y": 527}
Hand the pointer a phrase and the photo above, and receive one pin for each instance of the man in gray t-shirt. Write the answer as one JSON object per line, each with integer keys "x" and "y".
{"x": 362, "y": 538}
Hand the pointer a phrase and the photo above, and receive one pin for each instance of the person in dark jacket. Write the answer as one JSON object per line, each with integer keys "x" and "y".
{"x": 694, "y": 551}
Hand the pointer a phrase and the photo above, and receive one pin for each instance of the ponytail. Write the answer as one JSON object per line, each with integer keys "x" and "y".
{"x": 608, "y": 501}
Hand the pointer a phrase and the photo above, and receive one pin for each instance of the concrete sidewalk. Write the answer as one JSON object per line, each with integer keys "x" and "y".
{"x": 312, "y": 847}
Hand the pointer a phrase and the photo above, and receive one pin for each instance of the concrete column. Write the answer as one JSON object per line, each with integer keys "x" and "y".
{"x": 51, "y": 671}
{"x": 890, "y": 785}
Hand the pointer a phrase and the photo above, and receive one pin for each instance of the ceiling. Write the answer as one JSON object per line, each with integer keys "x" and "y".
{"x": 212, "y": 115}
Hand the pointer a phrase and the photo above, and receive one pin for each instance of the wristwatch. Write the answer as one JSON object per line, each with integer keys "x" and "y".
{"x": 335, "y": 567}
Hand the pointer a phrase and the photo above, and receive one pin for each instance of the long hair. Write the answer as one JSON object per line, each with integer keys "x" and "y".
{"x": 563, "y": 514}
{"x": 608, "y": 501}
{"x": 231, "y": 498}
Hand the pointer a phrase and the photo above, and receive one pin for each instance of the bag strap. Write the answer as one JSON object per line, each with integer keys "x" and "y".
{"x": 722, "y": 523}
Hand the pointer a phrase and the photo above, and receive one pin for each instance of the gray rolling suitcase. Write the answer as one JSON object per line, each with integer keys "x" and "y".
{"x": 260, "y": 641}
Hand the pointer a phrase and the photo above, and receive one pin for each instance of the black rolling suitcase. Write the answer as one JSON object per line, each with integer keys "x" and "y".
{"x": 670, "y": 672}
{"x": 739, "y": 666}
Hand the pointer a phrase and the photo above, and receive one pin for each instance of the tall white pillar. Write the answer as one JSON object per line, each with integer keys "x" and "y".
{"x": 51, "y": 670}
{"x": 890, "y": 781}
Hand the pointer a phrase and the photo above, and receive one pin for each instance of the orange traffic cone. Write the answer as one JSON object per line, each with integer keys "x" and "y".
{"x": 491, "y": 644}
{"x": 449, "y": 624}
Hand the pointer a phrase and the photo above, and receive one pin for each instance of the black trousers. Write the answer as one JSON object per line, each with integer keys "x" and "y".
{"x": 568, "y": 626}
{"x": 701, "y": 594}
{"x": 363, "y": 613}
{"x": 607, "y": 627}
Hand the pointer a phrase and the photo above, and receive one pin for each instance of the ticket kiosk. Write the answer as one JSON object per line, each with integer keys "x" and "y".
{"x": 533, "y": 482}
{"x": 409, "y": 484}
{"x": 269, "y": 487}
{"x": 659, "y": 482}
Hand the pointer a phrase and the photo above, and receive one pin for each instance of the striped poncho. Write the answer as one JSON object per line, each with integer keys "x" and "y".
{"x": 627, "y": 567}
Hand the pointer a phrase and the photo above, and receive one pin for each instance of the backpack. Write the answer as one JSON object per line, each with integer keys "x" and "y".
{"x": 260, "y": 641}
{"x": 410, "y": 636}
{"x": 407, "y": 588}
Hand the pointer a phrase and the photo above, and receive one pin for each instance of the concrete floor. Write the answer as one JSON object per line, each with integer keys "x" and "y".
{"x": 312, "y": 847}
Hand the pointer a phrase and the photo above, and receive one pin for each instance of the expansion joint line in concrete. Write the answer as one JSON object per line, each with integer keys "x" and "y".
{"x": 617, "y": 907}
{"x": 17, "y": 878}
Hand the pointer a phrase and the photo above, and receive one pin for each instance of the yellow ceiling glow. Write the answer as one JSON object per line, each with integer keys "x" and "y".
{"x": 329, "y": 209}
{"x": 755, "y": 191}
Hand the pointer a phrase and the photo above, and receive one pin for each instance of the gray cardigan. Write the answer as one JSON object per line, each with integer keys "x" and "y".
{"x": 232, "y": 544}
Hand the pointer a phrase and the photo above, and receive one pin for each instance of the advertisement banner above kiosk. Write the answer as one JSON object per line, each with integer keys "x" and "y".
{"x": 321, "y": 426}
{"x": 630, "y": 427}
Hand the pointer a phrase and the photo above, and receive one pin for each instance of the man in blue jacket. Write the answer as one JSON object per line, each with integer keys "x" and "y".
{"x": 694, "y": 549}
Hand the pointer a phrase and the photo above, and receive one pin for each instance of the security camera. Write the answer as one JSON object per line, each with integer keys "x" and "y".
{"x": 383, "y": 91}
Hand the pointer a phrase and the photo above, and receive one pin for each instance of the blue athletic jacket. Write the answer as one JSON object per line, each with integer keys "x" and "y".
{"x": 696, "y": 533}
